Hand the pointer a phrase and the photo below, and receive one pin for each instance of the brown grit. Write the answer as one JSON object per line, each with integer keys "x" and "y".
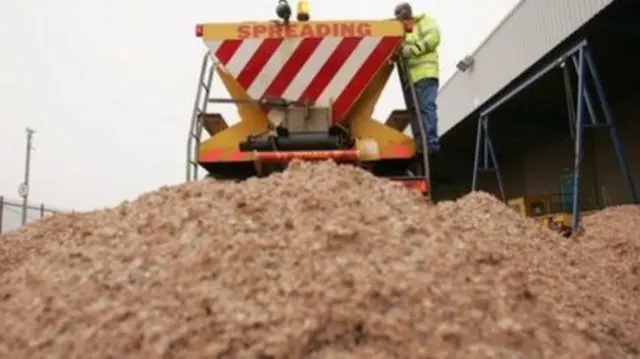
{"x": 321, "y": 261}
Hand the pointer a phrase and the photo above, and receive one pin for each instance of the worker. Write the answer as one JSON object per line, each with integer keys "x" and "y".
{"x": 420, "y": 48}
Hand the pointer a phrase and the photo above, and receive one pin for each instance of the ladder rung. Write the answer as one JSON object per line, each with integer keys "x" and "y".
{"x": 206, "y": 88}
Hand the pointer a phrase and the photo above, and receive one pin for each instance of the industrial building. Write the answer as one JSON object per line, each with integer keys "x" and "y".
{"x": 512, "y": 120}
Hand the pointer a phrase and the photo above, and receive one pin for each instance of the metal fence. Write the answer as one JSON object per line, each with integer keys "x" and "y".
{"x": 11, "y": 213}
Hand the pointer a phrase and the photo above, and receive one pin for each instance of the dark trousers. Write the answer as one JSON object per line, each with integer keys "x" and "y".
{"x": 427, "y": 93}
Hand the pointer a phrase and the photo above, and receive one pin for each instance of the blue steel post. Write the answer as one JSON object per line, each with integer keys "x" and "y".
{"x": 494, "y": 158}
{"x": 476, "y": 159}
{"x": 484, "y": 145}
{"x": 568, "y": 90}
{"x": 585, "y": 66}
{"x": 587, "y": 97}
{"x": 613, "y": 131}
{"x": 580, "y": 107}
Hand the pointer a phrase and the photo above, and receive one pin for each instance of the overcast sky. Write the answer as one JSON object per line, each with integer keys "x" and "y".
{"x": 109, "y": 85}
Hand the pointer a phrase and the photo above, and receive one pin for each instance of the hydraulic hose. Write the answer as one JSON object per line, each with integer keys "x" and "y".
{"x": 421, "y": 126}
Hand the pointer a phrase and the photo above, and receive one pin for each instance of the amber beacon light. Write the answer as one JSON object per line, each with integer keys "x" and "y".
{"x": 303, "y": 10}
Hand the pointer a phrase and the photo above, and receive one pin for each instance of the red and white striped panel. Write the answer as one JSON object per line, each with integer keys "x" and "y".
{"x": 321, "y": 70}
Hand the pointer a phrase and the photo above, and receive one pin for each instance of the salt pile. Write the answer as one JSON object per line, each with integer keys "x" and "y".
{"x": 321, "y": 261}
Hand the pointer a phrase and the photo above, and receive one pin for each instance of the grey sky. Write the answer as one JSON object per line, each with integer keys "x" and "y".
{"x": 109, "y": 85}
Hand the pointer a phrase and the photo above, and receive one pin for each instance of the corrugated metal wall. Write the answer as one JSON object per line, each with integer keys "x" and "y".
{"x": 528, "y": 33}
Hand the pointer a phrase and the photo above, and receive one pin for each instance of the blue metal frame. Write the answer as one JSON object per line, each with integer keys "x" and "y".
{"x": 489, "y": 159}
{"x": 535, "y": 77}
{"x": 584, "y": 65}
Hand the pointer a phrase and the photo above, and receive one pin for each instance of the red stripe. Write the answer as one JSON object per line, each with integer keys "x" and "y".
{"x": 293, "y": 66}
{"x": 257, "y": 62}
{"x": 226, "y": 50}
{"x": 330, "y": 68}
{"x": 365, "y": 74}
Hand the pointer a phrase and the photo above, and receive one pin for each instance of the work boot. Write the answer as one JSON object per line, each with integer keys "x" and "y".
{"x": 431, "y": 147}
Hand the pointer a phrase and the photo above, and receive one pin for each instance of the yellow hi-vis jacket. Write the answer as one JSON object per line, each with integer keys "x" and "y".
{"x": 423, "y": 41}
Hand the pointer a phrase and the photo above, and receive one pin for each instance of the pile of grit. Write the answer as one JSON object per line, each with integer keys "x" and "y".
{"x": 321, "y": 261}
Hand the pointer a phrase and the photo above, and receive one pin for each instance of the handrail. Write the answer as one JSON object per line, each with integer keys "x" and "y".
{"x": 199, "y": 107}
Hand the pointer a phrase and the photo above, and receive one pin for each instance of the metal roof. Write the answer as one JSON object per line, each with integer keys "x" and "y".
{"x": 528, "y": 32}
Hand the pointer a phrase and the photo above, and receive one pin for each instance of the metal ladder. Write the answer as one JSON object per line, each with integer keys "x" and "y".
{"x": 199, "y": 108}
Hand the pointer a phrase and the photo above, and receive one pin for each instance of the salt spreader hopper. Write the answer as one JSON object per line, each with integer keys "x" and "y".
{"x": 304, "y": 90}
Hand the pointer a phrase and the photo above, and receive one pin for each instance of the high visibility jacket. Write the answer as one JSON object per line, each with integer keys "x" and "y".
{"x": 423, "y": 41}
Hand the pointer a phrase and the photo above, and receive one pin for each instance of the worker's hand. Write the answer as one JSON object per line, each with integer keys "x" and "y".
{"x": 406, "y": 50}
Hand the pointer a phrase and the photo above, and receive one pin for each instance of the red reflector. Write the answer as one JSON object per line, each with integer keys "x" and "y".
{"x": 419, "y": 185}
{"x": 199, "y": 30}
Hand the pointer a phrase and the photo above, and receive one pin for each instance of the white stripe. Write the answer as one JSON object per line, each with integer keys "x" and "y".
{"x": 348, "y": 70}
{"x": 213, "y": 46}
{"x": 311, "y": 67}
{"x": 244, "y": 53}
{"x": 272, "y": 68}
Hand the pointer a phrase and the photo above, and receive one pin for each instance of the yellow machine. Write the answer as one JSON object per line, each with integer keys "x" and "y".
{"x": 531, "y": 206}
{"x": 303, "y": 90}
{"x": 540, "y": 208}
